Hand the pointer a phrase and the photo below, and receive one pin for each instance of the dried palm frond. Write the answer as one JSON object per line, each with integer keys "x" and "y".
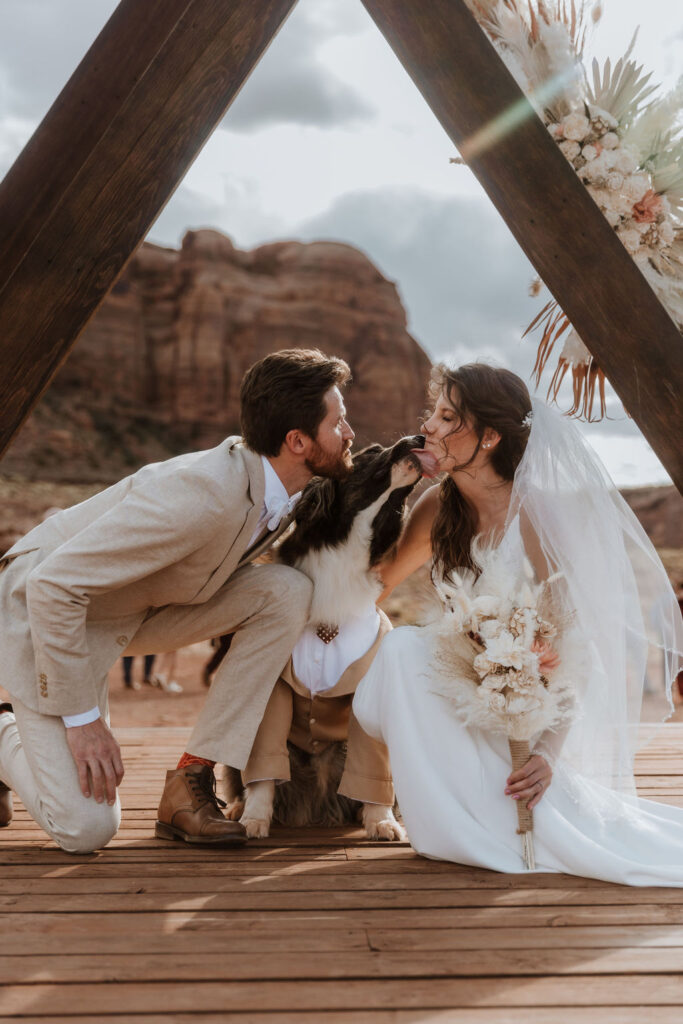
{"x": 664, "y": 273}
{"x": 540, "y": 44}
{"x": 554, "y": 324}
{"x": 622, "y": 92}
{"x": 667, "y": 178}
{"x": 588, "y": 380}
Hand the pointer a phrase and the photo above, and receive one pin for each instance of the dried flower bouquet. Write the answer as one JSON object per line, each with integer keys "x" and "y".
{"x": 487, "y": 660}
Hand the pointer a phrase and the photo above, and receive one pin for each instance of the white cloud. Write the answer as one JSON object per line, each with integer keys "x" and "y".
{"x": 41, "y": 44}
{"x": 292, "y": 84}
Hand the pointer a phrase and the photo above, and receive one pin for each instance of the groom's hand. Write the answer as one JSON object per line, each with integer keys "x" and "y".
{"x": 98, "y": 759}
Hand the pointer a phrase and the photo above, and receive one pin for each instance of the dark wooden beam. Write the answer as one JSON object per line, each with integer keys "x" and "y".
{"x": 82, "y": 113}
{"x": 548, "y": 210}
{"x": 102, "y": 165}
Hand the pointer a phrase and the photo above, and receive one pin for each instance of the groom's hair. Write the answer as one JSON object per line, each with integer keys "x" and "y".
{"x": 286, "y": 391}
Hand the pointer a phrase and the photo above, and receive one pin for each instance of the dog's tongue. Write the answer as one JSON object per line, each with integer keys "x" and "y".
{"x": 429, "y": 464}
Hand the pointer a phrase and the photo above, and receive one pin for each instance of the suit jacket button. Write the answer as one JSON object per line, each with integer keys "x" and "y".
{"x": 122, "y": 640}
{"x": 43, "y": 678}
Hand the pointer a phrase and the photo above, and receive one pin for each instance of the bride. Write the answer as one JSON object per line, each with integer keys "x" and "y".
{"x": 526, "y": 489}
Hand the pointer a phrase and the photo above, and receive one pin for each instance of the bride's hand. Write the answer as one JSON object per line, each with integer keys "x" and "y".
{"x": 530, "y": 782}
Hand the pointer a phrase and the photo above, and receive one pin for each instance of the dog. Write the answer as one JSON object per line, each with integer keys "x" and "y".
{"x": 343, "y": 528}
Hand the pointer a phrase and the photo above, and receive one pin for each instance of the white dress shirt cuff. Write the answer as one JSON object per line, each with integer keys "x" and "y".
{"x": 85, "y": 718}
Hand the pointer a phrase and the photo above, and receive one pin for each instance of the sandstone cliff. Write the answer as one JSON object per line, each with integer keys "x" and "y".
{"x": 158, "y": 368}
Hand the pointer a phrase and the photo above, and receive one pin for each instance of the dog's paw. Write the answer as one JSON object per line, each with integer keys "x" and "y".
{"x": 257, "y": 828}
{"x": 379, "y": 823}
{"x": 234, "y": 810}
{"x": 258, "y": 808}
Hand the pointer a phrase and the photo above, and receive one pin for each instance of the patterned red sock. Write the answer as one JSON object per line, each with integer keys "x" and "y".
{"x": 191, "y": 759}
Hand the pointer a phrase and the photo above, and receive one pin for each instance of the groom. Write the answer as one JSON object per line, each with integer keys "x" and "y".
{"x": 158, "y": 561}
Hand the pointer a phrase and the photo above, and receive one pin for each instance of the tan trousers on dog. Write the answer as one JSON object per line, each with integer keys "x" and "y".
{"x": 312, "y": 722}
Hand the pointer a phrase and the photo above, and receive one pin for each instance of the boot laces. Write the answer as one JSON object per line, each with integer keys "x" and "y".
{"x": 203, "y": 784}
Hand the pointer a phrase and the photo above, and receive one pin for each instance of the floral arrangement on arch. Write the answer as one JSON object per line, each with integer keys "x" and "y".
{"x": 489, "y": 659}
{"x": 624, "y": 144}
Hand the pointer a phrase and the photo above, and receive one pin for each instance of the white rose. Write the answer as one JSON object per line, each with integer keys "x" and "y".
{"x": 625, "y": 162}
{"x": 496, "y": 702}
{"x": 613, "y": 218}
{"x": 615, "y": 180}
{"x": 486, "y": 605}
{"x": 482, "y": 666}
{"x": 489, "y": 629}
{"x": 570, "y": 149}
{"x": 610, "y": 140}
{"x": 635, "y": 186}
{"x": 666, "y": 233}
{"x": 556, "y": 131}
{"x": 630, "y": 238}
{"x": 517, "y": 704}
{"x": 589, "y": 152}
{"x": 600, "y": 114}
{"x": 623, "y": 204}
{"x": 504, "y": 650}
{"x": 574, "y": 349}
{"x": 596, "y": 170}
{"x": 576, "y": 127}
{"x": 494, "y": 681}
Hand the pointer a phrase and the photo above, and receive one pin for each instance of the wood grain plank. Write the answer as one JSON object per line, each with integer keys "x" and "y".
{"x": 472, "y": 1015}
{"x": 215, "y": 966}
{"x": 413, "y": 993}
{"x": 246, "y": 900}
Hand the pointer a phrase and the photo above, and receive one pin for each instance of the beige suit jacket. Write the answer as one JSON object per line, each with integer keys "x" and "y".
{"x": 76, "y": 588}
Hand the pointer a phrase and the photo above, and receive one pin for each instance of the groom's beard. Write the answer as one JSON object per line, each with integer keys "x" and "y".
{"x": 334, "y": 466}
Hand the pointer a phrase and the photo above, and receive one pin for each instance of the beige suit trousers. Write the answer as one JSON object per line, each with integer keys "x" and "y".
{"x": 266, "y": 606}
{"x": 36, "y": 763}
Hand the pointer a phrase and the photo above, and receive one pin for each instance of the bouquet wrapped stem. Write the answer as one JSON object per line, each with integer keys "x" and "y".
{"x": 520, "y": 753}
{"x": 495, "y": 664}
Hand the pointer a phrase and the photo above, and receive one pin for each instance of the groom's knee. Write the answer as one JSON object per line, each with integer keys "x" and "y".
{"x": 290, "y": 593}
{"x": 86, "y": 827}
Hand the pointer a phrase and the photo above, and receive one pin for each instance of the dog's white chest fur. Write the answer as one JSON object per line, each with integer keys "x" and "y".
{"x": 342, "y": 580}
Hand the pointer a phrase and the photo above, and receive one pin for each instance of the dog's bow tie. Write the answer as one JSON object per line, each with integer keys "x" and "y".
{"x": 327, "y": 633}
{"x": 277, "y": 508}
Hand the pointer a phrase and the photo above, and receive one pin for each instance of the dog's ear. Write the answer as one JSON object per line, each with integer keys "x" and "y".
{"x": 316, "y": 502}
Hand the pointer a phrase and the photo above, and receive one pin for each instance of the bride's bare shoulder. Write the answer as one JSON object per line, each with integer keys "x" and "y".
{"x": 425, "y": 508}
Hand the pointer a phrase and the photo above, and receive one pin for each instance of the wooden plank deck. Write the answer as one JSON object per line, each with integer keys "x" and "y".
{"x": 322, "y": 926}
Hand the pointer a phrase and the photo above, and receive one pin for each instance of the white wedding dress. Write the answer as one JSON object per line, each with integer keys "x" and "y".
{"x": 450, "y": 781}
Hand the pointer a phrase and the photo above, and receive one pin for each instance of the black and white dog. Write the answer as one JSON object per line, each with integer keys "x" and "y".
{"x": 343, "y": 529}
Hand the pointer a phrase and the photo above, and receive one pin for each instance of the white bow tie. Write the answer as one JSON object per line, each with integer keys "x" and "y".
{"x": 277, "y": 508}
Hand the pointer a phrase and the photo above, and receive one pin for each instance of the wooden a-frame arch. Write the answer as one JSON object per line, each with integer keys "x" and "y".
{"x": 155, "y": 83}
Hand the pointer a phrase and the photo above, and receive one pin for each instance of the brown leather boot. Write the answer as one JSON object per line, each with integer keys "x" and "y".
{"x": 6, "y": 809}
{"x": 5, "y": 805}
{"x": 189, "y": 809}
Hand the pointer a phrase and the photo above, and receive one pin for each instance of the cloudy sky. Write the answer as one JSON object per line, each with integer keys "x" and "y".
{"x": 329, "y": 138}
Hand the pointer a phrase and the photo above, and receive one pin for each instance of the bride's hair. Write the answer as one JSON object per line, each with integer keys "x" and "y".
{"x": 483, "y": 396}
